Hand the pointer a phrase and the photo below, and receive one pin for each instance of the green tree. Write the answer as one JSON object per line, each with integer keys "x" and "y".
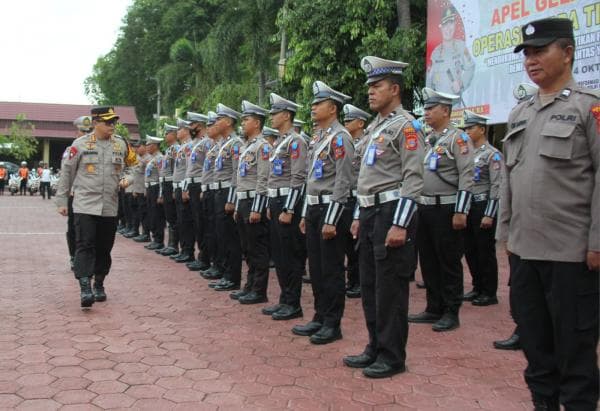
{"x": 19, "y": 143}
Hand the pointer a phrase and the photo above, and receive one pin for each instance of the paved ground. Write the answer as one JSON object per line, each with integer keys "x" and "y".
{"x": 163, "y": 341}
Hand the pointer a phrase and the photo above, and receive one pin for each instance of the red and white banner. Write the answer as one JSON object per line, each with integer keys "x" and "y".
{"x": 470, "y": 48}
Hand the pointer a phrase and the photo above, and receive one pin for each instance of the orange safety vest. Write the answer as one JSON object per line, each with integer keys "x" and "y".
{"x": 2, "y": 173}
{"x": 23, "y": 172}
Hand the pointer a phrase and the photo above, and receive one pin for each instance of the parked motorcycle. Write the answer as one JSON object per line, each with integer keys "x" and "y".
{"x": 13, "y": 184}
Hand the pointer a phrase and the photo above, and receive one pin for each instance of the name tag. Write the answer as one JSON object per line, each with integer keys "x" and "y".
{"x": 318, "y": 169}
{"x": 432, "y": 164}
{"x": 193, "y": 157}
{"x": 477, "y": 174}
{"x": 371, "y": 155}
{"x": 278, "y": 167}
{"x": 206, "y": 164}
{"x": 219, "y": 163}
{"x": 243, "y": 169}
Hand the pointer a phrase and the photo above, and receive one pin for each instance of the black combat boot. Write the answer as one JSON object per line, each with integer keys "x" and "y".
{"x": 99, "y": 294}
{"x": 172, "y": 247}
{"x": 87, "y": 298}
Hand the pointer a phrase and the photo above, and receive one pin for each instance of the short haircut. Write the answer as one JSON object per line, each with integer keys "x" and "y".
{"x": 563, "y": 43}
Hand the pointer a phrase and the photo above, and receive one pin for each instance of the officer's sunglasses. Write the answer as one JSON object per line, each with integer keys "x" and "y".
{"x": 110, "y": 122}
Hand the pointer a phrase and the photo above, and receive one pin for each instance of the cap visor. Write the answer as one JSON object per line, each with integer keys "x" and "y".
{"x": 534, "y": 43}
{"x": 108, "y": 117}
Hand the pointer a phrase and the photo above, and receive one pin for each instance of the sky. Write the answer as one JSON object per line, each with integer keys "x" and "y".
{"x": 49, "y": 47}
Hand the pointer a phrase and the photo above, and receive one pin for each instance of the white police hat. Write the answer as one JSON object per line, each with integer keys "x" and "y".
{"x": 249, "y": 109}
{"x": 377, "y": 68}
{"x": 181, "y": 123}
{"x": 224, "y": 111}
{"x": 524, "y": 91}
{"x": 170, "y": 128}
{"x": 153, "y": 140}
{"x": 83, "y": 123}
{"x": 196, "y": 117}
{"x": 298, "y": 123}
{"x": 268, "y": 131}
{"x": 212, "y": 118}
{"x": 433, "y": 98}
{"x": 471, "y": 119}
{"x": 322, "y": 92}
{"x": 352, "y": 113}
{"x": 278, "y": 104}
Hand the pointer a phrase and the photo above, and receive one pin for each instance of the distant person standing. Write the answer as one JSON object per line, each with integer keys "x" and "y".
{"x": 3, "y": 178}
{"x": 24, "y": 174}
{"x": 92, "y": 167}
{"x": 45, "y": 181}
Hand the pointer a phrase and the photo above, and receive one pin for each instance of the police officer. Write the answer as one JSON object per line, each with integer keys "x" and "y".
{"x": 480, "y": 244}
{"x": 452, "y": 67}
{"x": 443, "y": 209}
{"x": 389, "y": 184}
{"x": 522, "y": 92}
{"x": 84, "y": 126}
{"x": 91, "y": 167}
{"x": 549, "y": 218}
{"x": 324, "y": 216}
{"x": 166, "y": 198}
{"x": 225, "y": 166}
{"x": 156, "y": 215}
{"x": 185, "y": 223}
{"x": 251, "y": 213}
{"x": 288, "y": 169}
{"x": 139, "y": 194}
{"x": 133, "y": 223}
{"x": 193, "y": 186}
{"x": 215, "y": 271}
{"x": 355, "y": 121}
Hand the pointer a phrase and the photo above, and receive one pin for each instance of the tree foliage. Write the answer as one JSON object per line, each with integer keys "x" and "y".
{"x": 203, "y": 52}
{"x": 19, "y": 143}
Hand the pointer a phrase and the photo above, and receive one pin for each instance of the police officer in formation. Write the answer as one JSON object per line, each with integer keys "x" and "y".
{"x": 156, "y": 214}
{"x": 91, "y": 169}
{"x": 480, "y": 244}
{"x": 549, "y": 220}
{"x": 165, "y": 197}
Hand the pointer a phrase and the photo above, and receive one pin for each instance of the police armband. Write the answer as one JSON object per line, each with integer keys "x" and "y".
{"x": 259, "y": 203}
{"x": 405, "y": 210}
{"x": 292, "y": 200}
{"x": 304, "y": 207}
{"x": 491, "y": 209}
{"x": 356, "y": 213}
{"x": 231, "y": 195}
{"x": 334, "y": 212}
{"x": 463, "y": 202}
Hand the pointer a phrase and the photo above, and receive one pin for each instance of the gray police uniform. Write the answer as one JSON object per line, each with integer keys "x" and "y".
{"x": 92, "y": 168}
{"x": 549, "y": 215}
{"x": 165, "y": 178}
{"x": 156, "y": 215}
{"x": 480, "y": 243}
{"x": 451, "y": 62}
{"x": 139, "y": 191}
{"x": 185, "y": 223}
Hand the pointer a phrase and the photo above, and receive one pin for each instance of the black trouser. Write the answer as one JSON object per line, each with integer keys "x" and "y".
{"x": 199, "y": 217}
{"x": 513, "y": 264}
{"x": 2, "y": 183}
{"x": 210, "y": 243}
{"x": 440, "y": 253}
{"x": 286, "y": 248}
{"x": 71, "y": 240}
{"x": 326, "y": 265}
{"x": 229, "y": 250}
{"x": 169, "y": 204}
{"x": 556, "y": 308}
{"x": 130, "y": 212}
{"x": 256, "y": 237}
{"x": 95, "y": 237}
{"x": 121, "y": 208}
{"x": 156, "y": 214}
{"x": 23, "y": 186}
{"x": 384, "y": 279}
{"x": 141, "y": 212}
{"x": 185, "y": 223}
{"x": 480, "y": 251}
{"x": 45, "y": 188}
{"x": 351, "y": 251}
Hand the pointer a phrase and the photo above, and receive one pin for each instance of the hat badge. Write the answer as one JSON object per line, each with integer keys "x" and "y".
{"x": 315, "y": 88}
{"x": 529, "y": 30}
{"x": 521, "y": 92}
{"x": 368, "y": 66}
{"x": 86, "y": 122}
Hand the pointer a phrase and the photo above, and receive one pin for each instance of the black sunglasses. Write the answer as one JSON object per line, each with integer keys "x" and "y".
{"x": 110, "y": 122}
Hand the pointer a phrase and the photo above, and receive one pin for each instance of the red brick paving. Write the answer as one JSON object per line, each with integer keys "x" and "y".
{"x": 164, "y": 341}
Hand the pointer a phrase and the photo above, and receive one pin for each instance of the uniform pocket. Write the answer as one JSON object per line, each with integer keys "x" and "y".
{"x": 556, "y": 141}
{"x": 512, "y": 146}
{"x": 380, "y": 251}
{"x": 90, "y": 164}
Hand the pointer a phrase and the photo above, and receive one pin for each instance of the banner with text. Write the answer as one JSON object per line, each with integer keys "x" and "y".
{"x": 470, "y": 49}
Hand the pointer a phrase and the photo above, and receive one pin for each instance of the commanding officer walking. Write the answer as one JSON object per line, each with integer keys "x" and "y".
{"x": 480, "y": 244}
{"x": 324, "y": 217}
{"x": 185, "y": 223}
{"x": 193, "y": 186}
{"x": 225, "y": 173}
{"x": 549, "y": 215}
{"x": 445, "y": 203}
{"x": 286, "y": 180}
{"x": 91, "y": 167}
{"x": 389, "y": 184}
{"x": 355, "y": 121}
{"x": 166, "y": 197}
{"x": 251, "y": 213}
{"x": 156, "y": 215}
